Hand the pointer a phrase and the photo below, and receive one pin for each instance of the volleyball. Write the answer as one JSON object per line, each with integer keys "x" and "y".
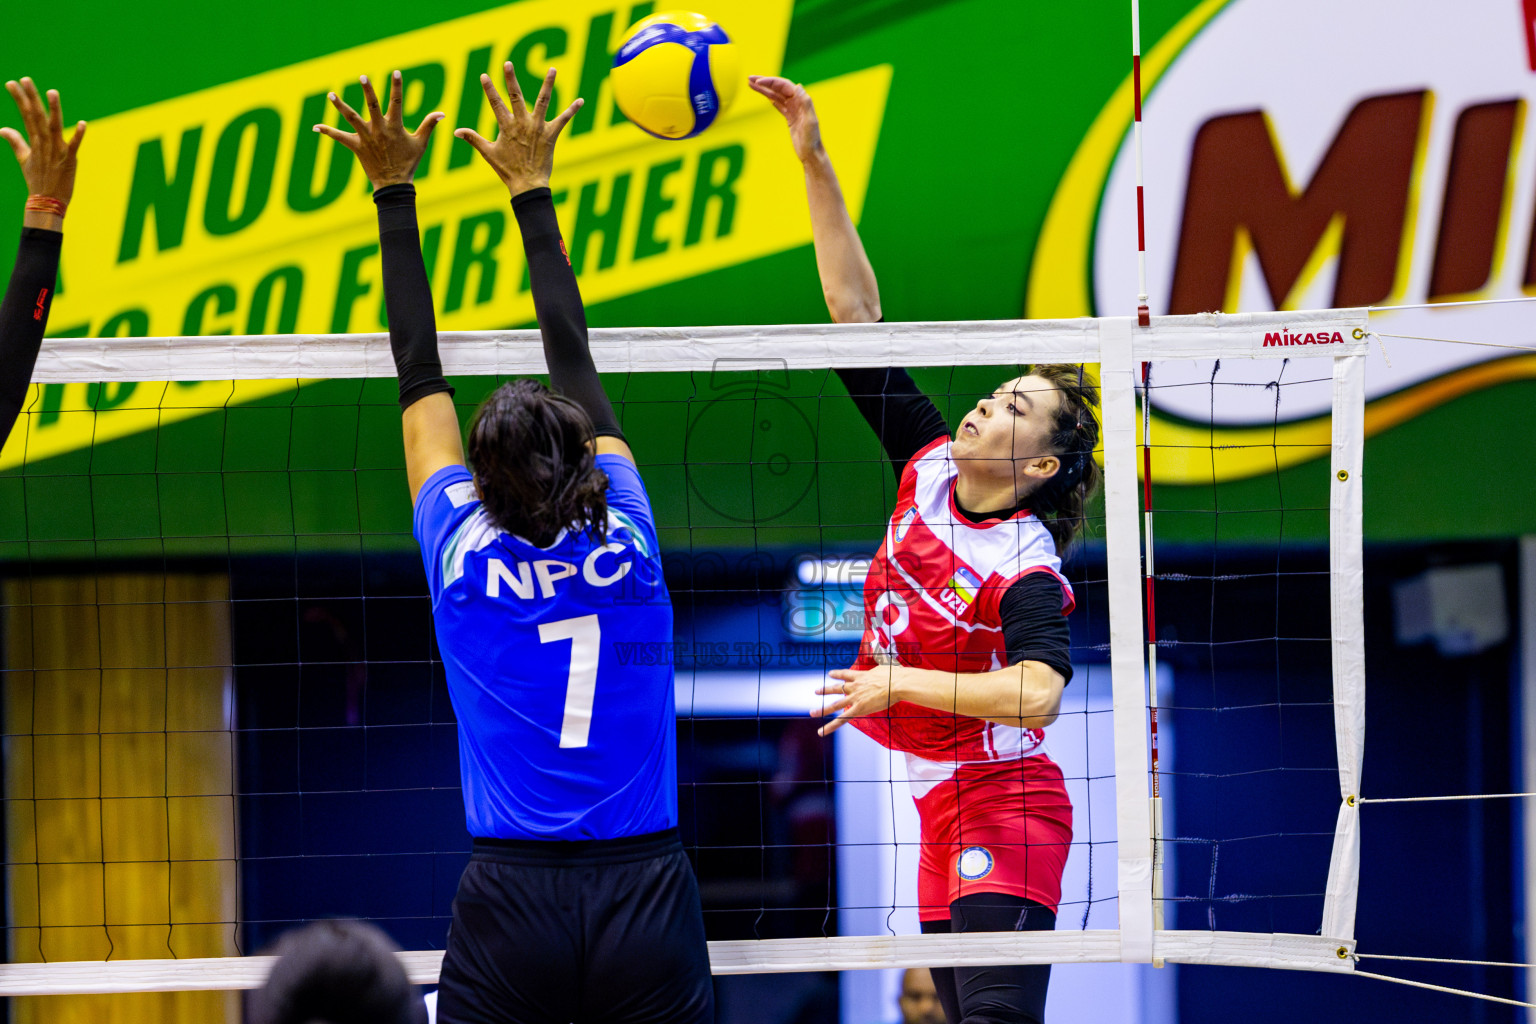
{"x": 675, "y": 73}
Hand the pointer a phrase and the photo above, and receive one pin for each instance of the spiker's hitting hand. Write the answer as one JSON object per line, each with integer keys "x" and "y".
{"x": 795, "y": 104}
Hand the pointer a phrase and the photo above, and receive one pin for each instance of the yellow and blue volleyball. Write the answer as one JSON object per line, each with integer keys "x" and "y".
{"x": 675, "y": 73}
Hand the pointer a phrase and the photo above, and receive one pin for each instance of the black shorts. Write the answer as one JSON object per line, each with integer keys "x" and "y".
{"x": 994, "y": 995}
{"x": 576, "y": 932}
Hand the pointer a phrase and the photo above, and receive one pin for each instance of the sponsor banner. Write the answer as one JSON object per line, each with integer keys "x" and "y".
{"x": 221, "y": 212}
{"x": 1403, "y": 177}
{"x": 1393, "y": 166}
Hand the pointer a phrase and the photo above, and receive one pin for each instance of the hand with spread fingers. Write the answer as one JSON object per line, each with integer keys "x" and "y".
{"x": 389, "y": 154}
{"x": 857, "y": 694}
{"x": 523, "y": 154}
{"x": 47, "y": 160}
{"x": 795, "y": 104}
{"x": 847, "y": 279}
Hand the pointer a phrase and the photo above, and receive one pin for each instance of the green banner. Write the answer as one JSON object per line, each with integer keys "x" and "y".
{"x": 984, "y": 149}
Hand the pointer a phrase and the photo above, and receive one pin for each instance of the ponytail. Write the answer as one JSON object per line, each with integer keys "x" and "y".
{"x": 1061, "y": 503}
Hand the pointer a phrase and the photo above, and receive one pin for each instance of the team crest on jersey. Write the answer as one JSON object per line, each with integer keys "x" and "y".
{"x": 905, "y": 524}
{"x": 974, "y": 863}
{"x": 965, "y": 583}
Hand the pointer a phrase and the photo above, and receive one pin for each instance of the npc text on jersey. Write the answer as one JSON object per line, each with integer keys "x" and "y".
{"x": 546, "y": 572}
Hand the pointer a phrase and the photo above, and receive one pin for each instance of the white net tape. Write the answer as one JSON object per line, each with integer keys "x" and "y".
{"x": 672, "y": 349}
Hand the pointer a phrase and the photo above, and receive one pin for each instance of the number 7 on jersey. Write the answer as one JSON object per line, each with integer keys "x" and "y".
{"x": 581, "y": 684}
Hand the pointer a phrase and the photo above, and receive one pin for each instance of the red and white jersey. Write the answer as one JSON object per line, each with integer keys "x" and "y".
{"x": 931, "y": 600}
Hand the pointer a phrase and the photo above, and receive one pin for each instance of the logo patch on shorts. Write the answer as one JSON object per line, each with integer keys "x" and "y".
{"x": 975, "y": 862}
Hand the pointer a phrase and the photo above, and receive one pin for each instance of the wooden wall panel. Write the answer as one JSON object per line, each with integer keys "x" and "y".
{"x": 119, "y": 783}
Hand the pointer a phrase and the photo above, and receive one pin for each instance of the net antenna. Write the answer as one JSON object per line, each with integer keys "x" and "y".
{"x": 1143, "y": 313}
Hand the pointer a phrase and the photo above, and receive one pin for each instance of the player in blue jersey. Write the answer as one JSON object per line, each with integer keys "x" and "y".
{"x": 578, "y": 903}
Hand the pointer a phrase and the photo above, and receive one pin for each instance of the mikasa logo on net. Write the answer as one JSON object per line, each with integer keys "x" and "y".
{"x": 1287, "y": 338}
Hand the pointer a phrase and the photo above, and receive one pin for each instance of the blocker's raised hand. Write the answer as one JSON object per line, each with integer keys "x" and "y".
{"x": 795, "y": 104}
{"x": 47, "y": 161}
{"x": 389, "y": 154}
{"x": 523, "y": 154}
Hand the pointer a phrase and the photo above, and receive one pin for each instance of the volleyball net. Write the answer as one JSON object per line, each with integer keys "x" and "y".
{"x": 224, "y": 714}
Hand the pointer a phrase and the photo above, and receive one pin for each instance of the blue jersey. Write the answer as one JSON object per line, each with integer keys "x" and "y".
{"x": 567, "y": 720}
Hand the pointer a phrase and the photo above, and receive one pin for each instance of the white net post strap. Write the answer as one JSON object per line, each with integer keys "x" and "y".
{"x": 1347, "y": 606}
{"x": 1122, "y": 542}
{"x": 766, "y": 956}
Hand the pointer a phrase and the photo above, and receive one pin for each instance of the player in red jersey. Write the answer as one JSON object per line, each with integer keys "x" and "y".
{"x": 966, "y": 648}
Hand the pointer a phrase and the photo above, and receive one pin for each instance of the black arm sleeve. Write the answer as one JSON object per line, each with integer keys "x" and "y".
{"x": 1033, "y": 627}
{"x": 562, "y": 318}
{"x": 23, "y": 317}
{"x": 408, "y": 297}
{"x": 902, "y": 416}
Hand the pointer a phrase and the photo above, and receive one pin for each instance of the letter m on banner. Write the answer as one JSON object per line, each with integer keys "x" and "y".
{"x": 1530, "y": 31}
{"x": 1239, "y": 190}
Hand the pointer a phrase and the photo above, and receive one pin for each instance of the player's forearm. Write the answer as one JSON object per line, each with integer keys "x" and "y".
{"x": 557, "y": 304}
{"x": 24, "y": 317}
{"x": 847, "y": 279}
{"x": 1027, "y": 695}
{"x": 408, "y": 297}
{"x": 428, "y": 421}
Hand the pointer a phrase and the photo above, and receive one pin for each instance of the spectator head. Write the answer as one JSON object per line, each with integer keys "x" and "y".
{"x": 336, "y": 972}
{"x": 919, "y": 999}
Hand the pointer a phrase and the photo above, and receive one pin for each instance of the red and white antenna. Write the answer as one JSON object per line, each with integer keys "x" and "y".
{"x": 1530, "y": 32}
{"x": 1143, "y": 314}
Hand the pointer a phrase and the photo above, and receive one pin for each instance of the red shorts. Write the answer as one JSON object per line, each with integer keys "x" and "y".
{"x": 997, "y": 827}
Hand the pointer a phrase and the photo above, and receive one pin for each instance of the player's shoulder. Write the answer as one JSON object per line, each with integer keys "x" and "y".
{"x": 629, "y": 506}
{"x": 1023, "y": 544}
{"x": 444, "y": 502}
{"x": 621, "y": 470}
{"x": 450, "y": 488}
{"x": 926, "y": 477}
{"x": 624, "y": 527}
{"x": 931, "y": 457}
